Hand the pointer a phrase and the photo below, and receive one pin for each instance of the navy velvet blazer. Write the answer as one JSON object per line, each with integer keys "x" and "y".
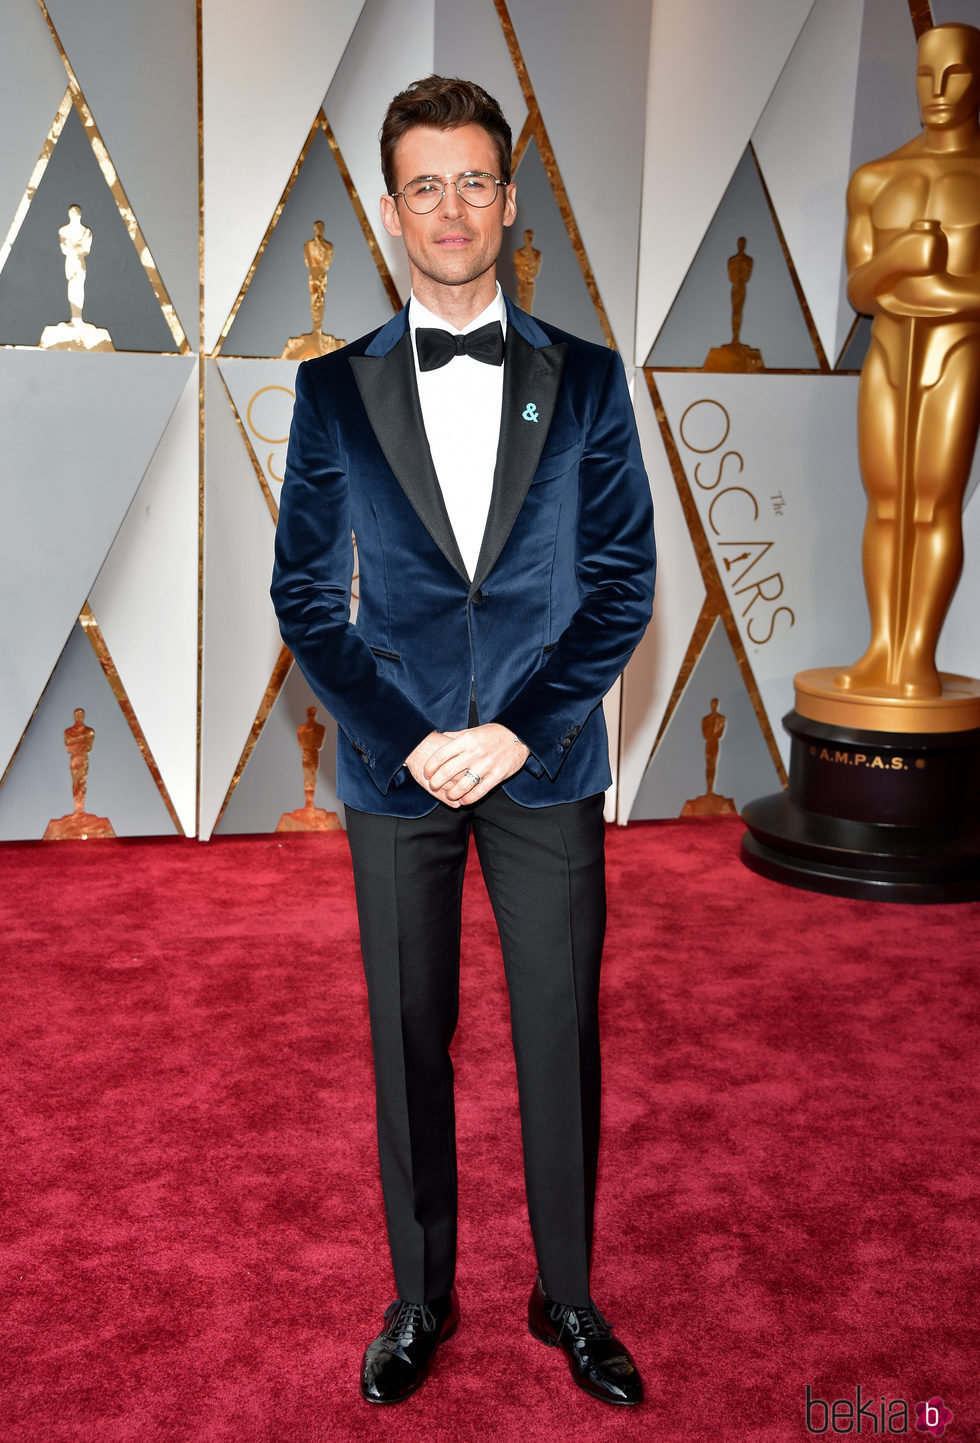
{"x": 562, "y": 591}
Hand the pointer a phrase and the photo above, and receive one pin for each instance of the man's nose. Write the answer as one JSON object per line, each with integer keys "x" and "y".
{"x": 451, "y": 203}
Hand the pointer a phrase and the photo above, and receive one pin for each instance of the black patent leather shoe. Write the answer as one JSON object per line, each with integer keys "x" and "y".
{"x": 598, "y": 1361}
{"x": 399, "y": 1359}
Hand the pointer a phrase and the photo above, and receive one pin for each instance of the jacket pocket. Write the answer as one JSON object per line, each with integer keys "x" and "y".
{"x": 384, "y": 653}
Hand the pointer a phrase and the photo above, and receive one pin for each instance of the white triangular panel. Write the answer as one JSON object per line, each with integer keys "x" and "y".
{"x": 803, "y": 144}
{"x": 79, "y": 432}
{"x": 241, "y": 635}
{"x": 712, "y": 70}
{"x": 145, "y": 601}
{"x": 266, "y": 70}
{"x": 771, "y": 463}
{"x": 591, "y": 97}
{"x": 263, "y": 393}
{"x": 391, "y": 46}
{"x": 32, "y": 83}
{"x": 649, "y": 677}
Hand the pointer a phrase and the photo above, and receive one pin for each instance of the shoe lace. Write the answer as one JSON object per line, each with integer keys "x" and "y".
{"x": 585, "y": 1324}
{"x": 403, "y": 1320}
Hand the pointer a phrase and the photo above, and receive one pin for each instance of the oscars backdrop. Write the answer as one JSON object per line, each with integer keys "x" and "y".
{"x": 188, "y": 206}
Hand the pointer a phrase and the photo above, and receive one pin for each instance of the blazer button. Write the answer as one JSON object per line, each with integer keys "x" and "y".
{"x": 476, "y": 598}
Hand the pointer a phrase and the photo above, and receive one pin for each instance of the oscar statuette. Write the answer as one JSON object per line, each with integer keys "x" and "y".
{"x": 884, "y": 778}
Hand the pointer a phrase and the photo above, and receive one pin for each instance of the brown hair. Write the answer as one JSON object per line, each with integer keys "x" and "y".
{"x": 443, "y": 103}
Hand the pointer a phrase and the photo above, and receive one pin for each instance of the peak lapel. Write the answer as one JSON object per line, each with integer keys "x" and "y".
{"x": 390, "y": 395}
{"x": 532, "y": 375}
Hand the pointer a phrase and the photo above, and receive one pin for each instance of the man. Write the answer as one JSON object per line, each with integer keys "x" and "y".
{"x": 505, "y": 542}
{"x": 913, "y": 257}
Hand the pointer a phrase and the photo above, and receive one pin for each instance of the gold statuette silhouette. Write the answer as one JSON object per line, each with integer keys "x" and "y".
{"x": 78, "y": 825}
{"x": 76, "y": 334}
{"x": 710, "y": 804}
{"x": 913, "y": 257}
{"x": 735, "y": 355}
{"x": 527, "y": 263}
{"x": 309, "y": 817}
{"x": 318, "y": 256}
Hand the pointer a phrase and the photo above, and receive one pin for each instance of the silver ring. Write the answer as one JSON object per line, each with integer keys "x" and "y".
{"x": 475, "y": 776}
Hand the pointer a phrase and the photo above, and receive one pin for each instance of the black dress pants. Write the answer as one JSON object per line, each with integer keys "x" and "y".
{"x": 545, "y": 875}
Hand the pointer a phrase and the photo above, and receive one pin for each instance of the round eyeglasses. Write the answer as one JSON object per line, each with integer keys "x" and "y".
{"x": 425, "y": 192}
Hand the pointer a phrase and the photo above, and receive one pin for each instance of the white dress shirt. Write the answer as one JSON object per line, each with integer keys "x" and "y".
{"x": 460, "y": 401}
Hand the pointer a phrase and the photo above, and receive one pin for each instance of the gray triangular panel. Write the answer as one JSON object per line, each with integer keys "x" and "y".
{"x": 272, "y": 783}
{"x": 852, "y": 357}
{"x": 701, "y": 316}
{"x": 676, "y": 773}
{"x": 276, "y": 305}
{"x": 120, "y": 787}
{"x": 118, "y": 294}
{"x": 560, "y": 292}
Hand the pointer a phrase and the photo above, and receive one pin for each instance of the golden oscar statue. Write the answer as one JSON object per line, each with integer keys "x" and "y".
{"x": 527, "y": 263}
{"x": 709, "y": 803}
{"x": 317, "y": 257}
{"x": 735, "y": 355}
{"x": 913, "y": 259}
{"x": 309, "y": 818}
{"x": 79, "y": 824}
{"x": 884, "y": 775}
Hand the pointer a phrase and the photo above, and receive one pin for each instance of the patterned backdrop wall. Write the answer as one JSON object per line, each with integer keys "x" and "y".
{"x": 188, "y": 196}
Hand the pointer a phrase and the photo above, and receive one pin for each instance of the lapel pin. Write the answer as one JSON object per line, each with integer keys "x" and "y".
{"x": 530, "y": 412}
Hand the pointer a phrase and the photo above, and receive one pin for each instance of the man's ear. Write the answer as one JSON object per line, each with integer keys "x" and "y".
{"x": 510, "y": 204}
{"x": 389, "y": 215}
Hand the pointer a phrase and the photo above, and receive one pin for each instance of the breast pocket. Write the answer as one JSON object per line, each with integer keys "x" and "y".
{"x": 557, "y": 463}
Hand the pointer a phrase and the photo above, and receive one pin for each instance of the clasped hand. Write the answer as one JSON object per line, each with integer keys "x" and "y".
{"x": 461, "y": 767}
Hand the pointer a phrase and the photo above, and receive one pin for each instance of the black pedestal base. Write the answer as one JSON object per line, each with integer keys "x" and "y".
{"x": 876, "y": 815}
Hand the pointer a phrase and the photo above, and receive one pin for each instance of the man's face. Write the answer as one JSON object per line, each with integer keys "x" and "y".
{"x": 947, "y": 81}
{"x": 456, "y": 243}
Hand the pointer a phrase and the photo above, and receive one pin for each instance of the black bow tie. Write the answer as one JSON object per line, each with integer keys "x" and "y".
{"x": 437, "y": 347}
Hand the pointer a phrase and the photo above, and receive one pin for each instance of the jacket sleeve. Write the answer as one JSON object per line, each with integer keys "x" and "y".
{"x": 615, "y": 560}
{"x": 311, "y": 591}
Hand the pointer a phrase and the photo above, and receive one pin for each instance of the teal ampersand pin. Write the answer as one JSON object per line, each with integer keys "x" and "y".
{"x": 530, "y": 412}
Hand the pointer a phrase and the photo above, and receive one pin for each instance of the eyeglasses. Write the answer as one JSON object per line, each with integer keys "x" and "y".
{"x": 425, "y": 192}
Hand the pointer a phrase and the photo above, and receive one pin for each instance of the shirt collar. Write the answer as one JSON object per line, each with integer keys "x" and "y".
{"x": 419, "y": 315}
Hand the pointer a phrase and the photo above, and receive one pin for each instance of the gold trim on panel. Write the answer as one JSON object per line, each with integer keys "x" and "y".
{"x": 921, "y": 14}
{"x": 97, "y": 641}
{"x": 320, "y": 123}
{"x": 277, "y": 681}
{"x": 115, "y": 186}
{"x": 256, "y": 463}
{"x": 534, "y": 125}
{"x": 716, "y": 602}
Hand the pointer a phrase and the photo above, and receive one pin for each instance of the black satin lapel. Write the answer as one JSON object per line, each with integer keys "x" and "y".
{"x": 532, "y": 376}
{"x": 390, "y": 395}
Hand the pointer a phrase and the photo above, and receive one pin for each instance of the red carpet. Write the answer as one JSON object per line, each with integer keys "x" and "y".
{"x": 192, "y": 1231}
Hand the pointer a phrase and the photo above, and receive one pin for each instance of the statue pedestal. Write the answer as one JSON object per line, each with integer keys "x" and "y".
{"x": 309, "y": 819}
{"x": 310, "y": 345}
{"x": 881, "y": 815}
{"x": 77, "y": 827}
